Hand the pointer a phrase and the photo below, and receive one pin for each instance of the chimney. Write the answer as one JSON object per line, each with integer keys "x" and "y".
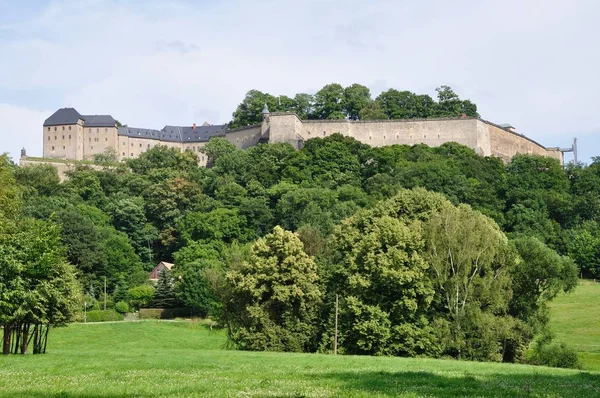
{"x": 194, "y": 126}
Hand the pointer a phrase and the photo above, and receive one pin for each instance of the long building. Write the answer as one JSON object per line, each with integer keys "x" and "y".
{"x": 71, "y": 135}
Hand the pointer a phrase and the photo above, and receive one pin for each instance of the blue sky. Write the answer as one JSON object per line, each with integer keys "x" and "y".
{"x": 534, "y": 64}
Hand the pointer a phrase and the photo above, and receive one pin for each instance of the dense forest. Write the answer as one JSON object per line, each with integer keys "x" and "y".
{"x": 429, "y": 251}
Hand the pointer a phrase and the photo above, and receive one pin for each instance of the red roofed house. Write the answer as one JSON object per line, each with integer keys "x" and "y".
{"x": 154, "y": 275}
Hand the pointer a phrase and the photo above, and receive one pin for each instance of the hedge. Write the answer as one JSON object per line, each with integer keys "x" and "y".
{"x": 103, "y": 316}
{"x": 166, "y": 313}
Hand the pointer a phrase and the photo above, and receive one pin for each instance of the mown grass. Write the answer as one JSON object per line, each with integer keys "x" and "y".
{"x": 158, "y": 359}
{"x": 575, "y": 320}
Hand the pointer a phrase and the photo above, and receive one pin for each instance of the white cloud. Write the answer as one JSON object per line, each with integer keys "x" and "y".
{"x": 532, "y": 64}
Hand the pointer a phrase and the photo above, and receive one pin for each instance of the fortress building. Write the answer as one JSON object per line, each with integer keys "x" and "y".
{"x": 73, "y": 136}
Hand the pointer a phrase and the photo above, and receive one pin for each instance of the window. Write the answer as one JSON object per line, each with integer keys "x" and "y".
{"x": 48, "y": 128}
{"x": 52, "y": 148}
{"x": 106, "y": 139}
{"x": 63, "y": 137}
{"x": 54, "y": 138}
{"x": 63, "y": 147}
{"x": 54, "y": 128}
{"x": 140, "y": 145}
{"x": 131, "y": 153}
{"x": 123, "y": 143}
{"x": 69, "y": 136}
{"x": 97, "y": 130}
{"x": 92, "y": 147}
{"x": 148, "y": 145}
{"x": 132, "y": 144}
{"x": 90, "y": 139}
{"x": 123, "y": 153}
{"x": 49, "y": 138}
{"x": 106, "y": 130}
{"x": 63, "y": 128}
{"x": 69, "y": 127}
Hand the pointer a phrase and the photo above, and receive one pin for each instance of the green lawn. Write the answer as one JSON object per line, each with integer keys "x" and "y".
{"x": 575, "y": 319}
{"x": 160, "y": 359}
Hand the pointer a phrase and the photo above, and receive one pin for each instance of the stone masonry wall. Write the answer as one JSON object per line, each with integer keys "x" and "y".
{"x": 485, "y": 138}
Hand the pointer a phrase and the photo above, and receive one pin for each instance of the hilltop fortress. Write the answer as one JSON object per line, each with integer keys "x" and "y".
{"x": 69, "y": 135}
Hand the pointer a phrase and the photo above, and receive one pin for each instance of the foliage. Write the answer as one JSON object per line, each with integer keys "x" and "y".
{"x": 164, "y": 294}
{"x": 546, "y": 353}
{"x": 103, "y": 316}
{"x": 140, "y": 296}
{"x": 274, "y": 296}
{"x": 122, "y": 307}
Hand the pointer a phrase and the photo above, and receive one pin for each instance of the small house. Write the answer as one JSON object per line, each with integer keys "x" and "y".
{"x": 155, "y": 274}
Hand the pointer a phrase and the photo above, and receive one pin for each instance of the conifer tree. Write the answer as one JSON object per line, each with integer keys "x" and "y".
{"x": 164, "y": 295}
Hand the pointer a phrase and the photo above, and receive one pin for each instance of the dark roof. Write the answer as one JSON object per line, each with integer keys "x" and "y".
{"x": 63, "y": 116}
{"x": 176, "y": 133}
{"x": 99, "y": 121}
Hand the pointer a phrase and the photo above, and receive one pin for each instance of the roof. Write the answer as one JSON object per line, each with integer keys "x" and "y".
{"x": 166, "y": 264}
{"x": 176, "y": 133}
{"x": 99, "y": 121}
{"x": 63, "y": 116}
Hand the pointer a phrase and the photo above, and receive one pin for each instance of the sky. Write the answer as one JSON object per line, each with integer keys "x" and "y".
{"x": 532, "y": 63}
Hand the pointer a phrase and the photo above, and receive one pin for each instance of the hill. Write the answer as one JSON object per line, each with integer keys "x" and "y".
{"x": 575, "y": 320}
{"x": 187, "y": 359}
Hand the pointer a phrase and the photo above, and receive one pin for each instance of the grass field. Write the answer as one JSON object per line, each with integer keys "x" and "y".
{"x": 575, "y": 319}
{"x": 183, "y": 359}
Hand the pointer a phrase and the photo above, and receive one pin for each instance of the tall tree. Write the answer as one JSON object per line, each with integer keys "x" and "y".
{"x": 356, "y": 97}
{"x": 274, "y": 297}
{"x": 329, "y": 102}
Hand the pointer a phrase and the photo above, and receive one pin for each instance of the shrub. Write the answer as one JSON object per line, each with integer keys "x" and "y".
{"x": 122, "y": 307}
{"x": 140, "y": 296}
{"x": 103, "y": 316}
{"x": 167, "y": 313}
{"x": 555, "y": 355}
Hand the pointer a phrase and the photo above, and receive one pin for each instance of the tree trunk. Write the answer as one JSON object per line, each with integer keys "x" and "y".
{"x": 46, "y": 338}
{"x": 6, "y": 340}
{"x": 36, "y": 343}
{"x": 25, "y": 339}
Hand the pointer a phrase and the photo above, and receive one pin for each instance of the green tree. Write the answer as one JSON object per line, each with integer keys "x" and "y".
{"x": 164, "y": 293}
{"x": 329, "y": 102}
{"x": 275, "y": 296}
{"x": 470, "y": 265}
{"x": 38, "y": 288}
{"x": 372, "y": 111}
{"x": 304, "y": 104}
{"x": 356, "y": 97}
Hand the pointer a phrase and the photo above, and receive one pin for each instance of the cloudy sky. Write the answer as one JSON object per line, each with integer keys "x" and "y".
{"x": 532, "y": 63}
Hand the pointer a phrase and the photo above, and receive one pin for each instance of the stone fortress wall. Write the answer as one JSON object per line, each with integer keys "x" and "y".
{"x": 486, "y": 138}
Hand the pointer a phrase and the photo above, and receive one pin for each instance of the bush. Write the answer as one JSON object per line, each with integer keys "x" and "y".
{"x": 167, "y": 313}
{"x": 140, "y": 296}
{"x": 122, "y": 307}
{"x": 555, "y": 355}
{"x": 103, "y": 316}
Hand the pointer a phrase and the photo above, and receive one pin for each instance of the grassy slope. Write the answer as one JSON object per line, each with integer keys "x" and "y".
{"x": 575, "y": 319}
{"x": 185, "y": 359}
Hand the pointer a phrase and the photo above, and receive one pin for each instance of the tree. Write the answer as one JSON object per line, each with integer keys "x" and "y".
{"x": 249, "y": 112}
{"x": 216, "y": 148}
{"x": 274, "y": 297}
{"x": 304, "y": 104}
{"x": 329, "y": 102}
{"x": 541, "y": 275}
{"x": 372, "y": 111}
{"x": 38, "y": 288}
{"x": 470, "y": 267}
{"x": 377, "y": 269}
{"x": 356, "y": 97}
{"x": 164, "y": 294}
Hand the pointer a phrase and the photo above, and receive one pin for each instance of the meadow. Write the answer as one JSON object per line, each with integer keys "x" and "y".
{"x": 575, "y": 320}
{"x": 184, "y": 359}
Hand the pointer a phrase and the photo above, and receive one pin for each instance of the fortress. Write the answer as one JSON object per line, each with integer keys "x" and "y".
{"x": 69, "y": 135}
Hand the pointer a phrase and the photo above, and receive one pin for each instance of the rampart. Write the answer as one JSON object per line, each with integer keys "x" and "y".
{"x": 485, "y": 138}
